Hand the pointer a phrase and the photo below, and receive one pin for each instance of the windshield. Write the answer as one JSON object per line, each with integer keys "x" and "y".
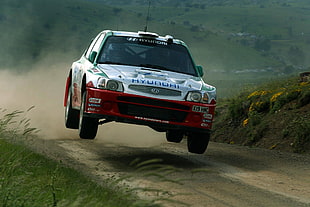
{"x": 147, "y": 53}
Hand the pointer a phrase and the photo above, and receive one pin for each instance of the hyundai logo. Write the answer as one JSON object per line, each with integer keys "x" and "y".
{"x": 155, "y": 90}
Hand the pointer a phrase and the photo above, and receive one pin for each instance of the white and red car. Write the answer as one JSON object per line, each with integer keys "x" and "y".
{"x": 140, "y": 78}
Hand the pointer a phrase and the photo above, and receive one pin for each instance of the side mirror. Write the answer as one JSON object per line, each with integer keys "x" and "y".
{"x": 200, "y": 70}
{"x": 92, "y": 56}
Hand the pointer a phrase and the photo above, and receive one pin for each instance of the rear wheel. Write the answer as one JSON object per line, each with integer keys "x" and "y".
{"x": 197, "y": 142}
{"x": 71, "y": 115}
{"x": 174, "y": 136}
{"x": 88, "y": 126}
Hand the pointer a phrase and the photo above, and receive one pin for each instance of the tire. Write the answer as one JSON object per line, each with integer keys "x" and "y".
{"x": 197, "y": 142}
{"x": 71, "y": 115}
{"x": 88, "y": 126}
{"x": 174, "y": 136}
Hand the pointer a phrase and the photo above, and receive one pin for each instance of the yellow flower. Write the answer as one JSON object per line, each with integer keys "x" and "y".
{"x": 257, "y": 93}
{"x": 245, "y": 122}
{"x": 252, "y": 108}
{"x": 304, "y": 83}
{"x": 275, "y": 96}
{"x": 255, "y": 106}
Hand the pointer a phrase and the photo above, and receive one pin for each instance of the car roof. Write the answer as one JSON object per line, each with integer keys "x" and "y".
{"x": 150, "y": 35}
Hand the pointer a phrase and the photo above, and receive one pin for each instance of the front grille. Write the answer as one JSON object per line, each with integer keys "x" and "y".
{"x": 152, "y": 113}
{"x": 155, "y": 90}
{"x": 152, "y": 108}
{"x": 153, "y": 102}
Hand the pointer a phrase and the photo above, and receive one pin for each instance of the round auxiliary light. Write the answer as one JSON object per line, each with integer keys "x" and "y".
{"x": 112, "y": 85}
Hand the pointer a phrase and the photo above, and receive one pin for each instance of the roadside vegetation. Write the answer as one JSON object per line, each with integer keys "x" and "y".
{"x": 28, "y": 179}
{"x": 275, "y": 115}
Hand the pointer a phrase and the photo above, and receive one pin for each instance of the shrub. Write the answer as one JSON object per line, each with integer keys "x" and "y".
{"x": 237, "y": 110}
{"x": 304, "y": 99}
{"x": 300, "y": 129}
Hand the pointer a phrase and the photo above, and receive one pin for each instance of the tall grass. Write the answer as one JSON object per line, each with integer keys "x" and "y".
{"x": 28, "y": 179}
{"x": 16, "y": 123}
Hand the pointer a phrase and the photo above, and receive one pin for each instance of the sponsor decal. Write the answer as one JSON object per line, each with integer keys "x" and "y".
{"x": 200, "y": 109}
{"x": 94, "y": 100}
{"x": 150, "y": 119}
{"x": 150, "y": 41}
{"x": 94, "y": 70}
{"x": 206, "y": 121}
{"x": 92, "y": 109}
{"x": 94, "y": 105}
{"x": 205, "y": 125}
{"x": 155, "y": 83}
{"x": 208, "y": 116}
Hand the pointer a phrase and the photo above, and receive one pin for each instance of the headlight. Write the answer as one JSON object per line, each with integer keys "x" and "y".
{"x": 194, "y": 96}
{"x": 112, "y": 85}
{"x": 204, "y": 97}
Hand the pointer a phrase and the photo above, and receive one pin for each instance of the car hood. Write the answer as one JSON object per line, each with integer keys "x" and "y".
{"x": 135, "y": 78}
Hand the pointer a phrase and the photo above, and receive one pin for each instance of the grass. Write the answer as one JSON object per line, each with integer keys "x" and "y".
{"x": 30, "y": 179}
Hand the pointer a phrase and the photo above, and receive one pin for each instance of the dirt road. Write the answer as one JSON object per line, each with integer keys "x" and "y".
{"x": 225, "y": 175}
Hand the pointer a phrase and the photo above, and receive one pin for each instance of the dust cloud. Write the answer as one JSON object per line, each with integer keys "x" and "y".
{"x": 43, "y": 87}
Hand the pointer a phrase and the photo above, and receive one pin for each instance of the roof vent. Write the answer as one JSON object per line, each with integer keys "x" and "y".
{"x": 169, "y": 38}
{"x": 148, "y": 34}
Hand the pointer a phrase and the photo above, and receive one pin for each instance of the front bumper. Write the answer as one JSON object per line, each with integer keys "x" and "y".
{"x": 156, "y": 113}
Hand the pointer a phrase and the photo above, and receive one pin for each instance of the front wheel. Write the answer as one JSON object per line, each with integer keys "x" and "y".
{"x": 197, "y": 142}
{"x": 88, "y": 126}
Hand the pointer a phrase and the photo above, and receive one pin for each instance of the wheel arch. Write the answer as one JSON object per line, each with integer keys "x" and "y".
{"x": 68, "y": 84}
{"x": 83, "y": 88}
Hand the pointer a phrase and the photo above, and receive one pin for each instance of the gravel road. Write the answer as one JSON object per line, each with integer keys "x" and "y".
{"x": 226, "y": 175}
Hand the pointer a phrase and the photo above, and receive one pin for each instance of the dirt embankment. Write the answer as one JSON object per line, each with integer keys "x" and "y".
{"x": 275, "y": 116}
{"x": 273, "y": 135}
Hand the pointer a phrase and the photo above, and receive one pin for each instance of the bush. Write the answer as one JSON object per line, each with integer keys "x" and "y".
{"x": 300, "y": 129}
{"x": 304, "y": 99}
{"x": 237, "y": 110}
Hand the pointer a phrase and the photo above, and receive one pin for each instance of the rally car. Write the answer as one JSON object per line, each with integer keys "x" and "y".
{"x": 140, "y": 78}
